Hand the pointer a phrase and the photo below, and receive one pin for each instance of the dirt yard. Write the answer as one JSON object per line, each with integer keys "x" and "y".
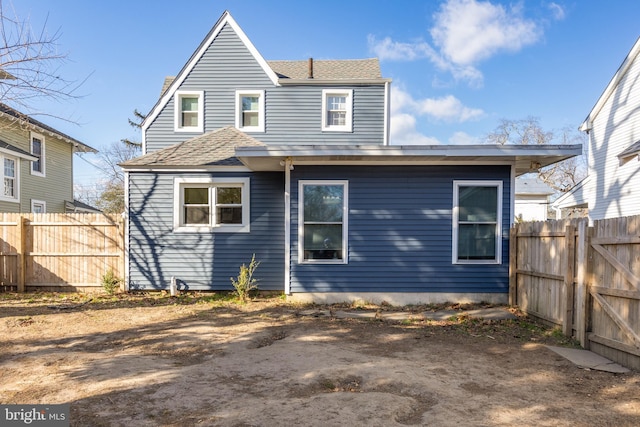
{"x": 153, "y": 360}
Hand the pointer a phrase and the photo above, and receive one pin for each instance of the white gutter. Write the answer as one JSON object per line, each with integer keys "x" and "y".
{"x": 126, "y": 231}
{"x": 288, "y": 165}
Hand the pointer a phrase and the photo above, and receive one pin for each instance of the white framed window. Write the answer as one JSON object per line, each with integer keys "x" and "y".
{"x": 323, "y": 221}
{"x": 211, "y": 204}
{"x": 10, "y": 191}
{"x": 38, "y": 206}
{"x": 37, "y": 150}
{"x": 477, "y": 222}
{"x": 189, "y": 111}
{"x": 337, "y": 110}
{"x": 250, "y": 110}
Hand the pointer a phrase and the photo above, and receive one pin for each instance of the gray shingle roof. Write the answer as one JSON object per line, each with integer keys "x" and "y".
{"x": 347, "y": 69}
{"x": 78, "y": 146}
{"x": 631, "y": 151}
{"x": 216, "y": 148}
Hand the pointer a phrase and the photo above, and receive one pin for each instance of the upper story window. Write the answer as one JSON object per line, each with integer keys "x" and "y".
{"x": 211, "y": 204}
{"x": 337, "y": 110}
{"x": 323, "y": 221}
{"x": 189, "y": 111}
{"x": 250, "y": 110}
{"x": 37, "y": 150}
{"x": 477, "y": 219}
{"x": 10, "y": 179}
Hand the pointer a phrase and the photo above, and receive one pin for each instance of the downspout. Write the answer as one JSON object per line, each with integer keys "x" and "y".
{"x": 288, "y": 165}
{"x": 387, "y": 107}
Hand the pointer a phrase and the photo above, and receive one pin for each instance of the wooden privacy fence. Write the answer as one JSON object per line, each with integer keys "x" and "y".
{"x": 584, "y": 279}
{"x": 59, "y": 251}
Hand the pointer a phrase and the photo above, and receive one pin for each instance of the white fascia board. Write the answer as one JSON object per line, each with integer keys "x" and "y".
{"x": 620, "y": 73}
{"x": 226, "y": 18}
{"x": 174, "y": 169}
{"x": 333, "y": 82}
{"x": 409, "y": 150}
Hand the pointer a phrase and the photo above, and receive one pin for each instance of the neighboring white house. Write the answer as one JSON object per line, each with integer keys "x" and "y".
{"x": 612, "y": 187}
{"x": 532, "y": 199}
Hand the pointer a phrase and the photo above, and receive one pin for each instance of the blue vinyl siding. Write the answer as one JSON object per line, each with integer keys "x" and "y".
{"x": 293, "y": 114}
{"x": 400, "y": 231}
{"x": 203, "y": 261}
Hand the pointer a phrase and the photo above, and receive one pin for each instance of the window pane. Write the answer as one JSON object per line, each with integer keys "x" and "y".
{"x": 229, "y": 195}
{"x": 323, "y": 241}
{"x": 196, "y": 196}
{"x": 337, "y": 118}
{"x": 189, "y": 119}
{"x": 9, "y": 187}
{"x": 478, "y": 204}
{"x": 250, "y": 119}
{"x": 196, "y": 215}
{"x": 189, "y": 103}
{"x": 337, "y": 102}
{"x": 323, "y": 203}
{"x": 250, "y": 103}
{"x": 9, "y": 168}
{"x": 476, "y": 241}
{"x": 229, "y": 215}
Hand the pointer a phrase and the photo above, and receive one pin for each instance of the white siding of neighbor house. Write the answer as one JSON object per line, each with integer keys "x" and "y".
{"x": 613, "y": 189}
{"x": 293, "y": 114}
{"x": 531, "y": 207}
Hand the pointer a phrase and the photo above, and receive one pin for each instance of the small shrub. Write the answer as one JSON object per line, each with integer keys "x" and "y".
{"x": 110, "y": 283}
{"x": 245, "y": 282}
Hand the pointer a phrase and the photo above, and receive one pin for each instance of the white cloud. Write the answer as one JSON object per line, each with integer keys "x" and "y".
{"x": 470, "y": 31}
{"x": 465, "y": 33}
{"x": 463, "y": 138}
{"x": 405, "y": 111}
{"x": 557, "y": 11}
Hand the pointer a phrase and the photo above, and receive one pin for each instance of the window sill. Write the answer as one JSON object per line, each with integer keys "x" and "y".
{"x": 209, "y": 229}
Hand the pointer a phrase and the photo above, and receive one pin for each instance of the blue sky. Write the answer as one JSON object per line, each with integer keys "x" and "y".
{"x": 458, "y": 66}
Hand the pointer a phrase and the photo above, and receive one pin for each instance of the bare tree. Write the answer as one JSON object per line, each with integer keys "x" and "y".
{"x": 111, "y": 192}
{"x": 561, "y": 176}
{"x": 30, "y": 63}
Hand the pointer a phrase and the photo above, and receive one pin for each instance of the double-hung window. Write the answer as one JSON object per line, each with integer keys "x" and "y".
{"x": 37, "y": 150}
{"x": 323, "y": 207}
{"x": 189, "y": 111}
{"x": 211, "y": 204}
{"x": 250, "y": 110}
{"x": 337, "y": 110}
{"x": 477, "y": 218}
{"x": 10, "y": 179}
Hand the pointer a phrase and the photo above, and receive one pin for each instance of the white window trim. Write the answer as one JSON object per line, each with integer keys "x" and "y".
{"x": 42, "y": 154}
{"x": 177, "y": 107}
{"x": 239, "y": 95}
{"x": 456, "y": 187}
{"x": 16, "y": 162}
{"x": 178, "y": 212}
{"x": 35, "y": 202}
{"x": 345, "y": 222}
{"x": 348, "y": 126}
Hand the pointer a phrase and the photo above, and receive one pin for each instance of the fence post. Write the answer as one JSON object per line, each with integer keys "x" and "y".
{"x": 21, "y": 250}
{"x": 513, "y": 265}
{"x": 570, "y": 249}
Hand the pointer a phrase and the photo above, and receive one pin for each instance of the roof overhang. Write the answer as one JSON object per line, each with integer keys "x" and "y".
{"x": 525, "y": 158}
{"x": 334, "y": 82}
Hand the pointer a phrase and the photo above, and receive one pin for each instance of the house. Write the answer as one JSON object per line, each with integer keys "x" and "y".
{"x": 291, "y": 161}
{"x": 37, "y": 164}
{"x": 612, "y": 186}
{"x": 532, "y": 199}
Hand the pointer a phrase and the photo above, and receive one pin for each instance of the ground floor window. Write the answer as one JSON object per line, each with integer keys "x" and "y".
{"x": 477, "y": 215}
{"x": 204, "y": 204}
{"x": 323, "y": 221}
